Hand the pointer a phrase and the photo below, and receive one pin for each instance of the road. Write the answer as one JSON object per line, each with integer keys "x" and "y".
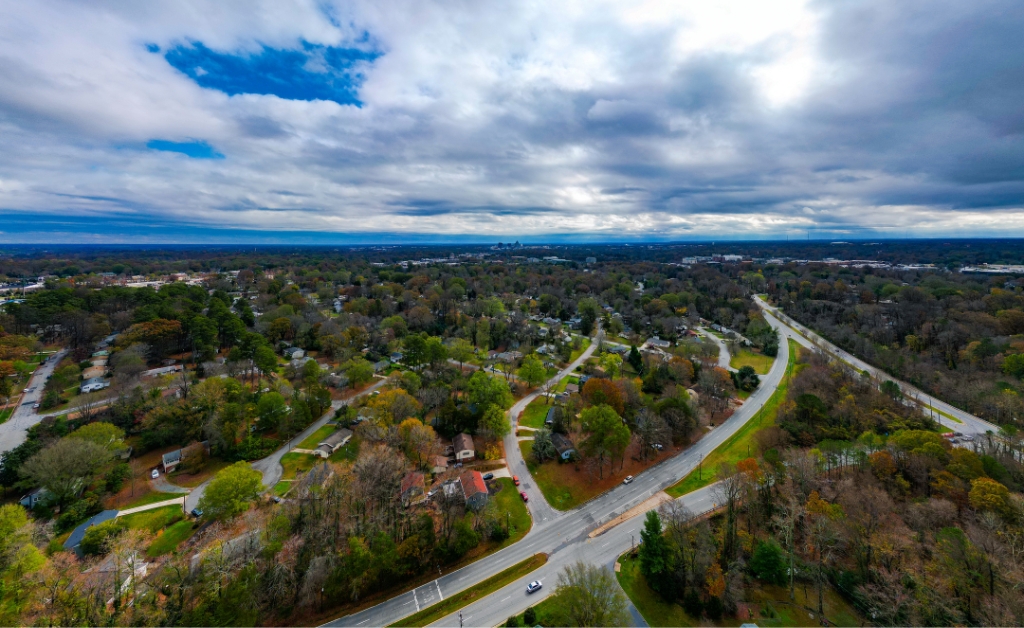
{"x": 724, "y": 358}
{"x": 965, "y": 423}
{"x": 564, "y": 536}
{"x": 14, "y": 431}
{"x": 270, "y": 466}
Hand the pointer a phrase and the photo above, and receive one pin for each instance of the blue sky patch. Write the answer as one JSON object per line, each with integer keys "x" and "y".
{"x": 315, "y": 72}
{"x": 152, "y": 48}
{"x": 195, "y": 150}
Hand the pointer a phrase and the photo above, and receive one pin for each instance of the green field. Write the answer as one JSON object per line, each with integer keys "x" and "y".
{"x": 551, "y": 611}
{"x": 578, "y": 352}
{"x": 761, "y": 363}
{"x": 295, "y": 464}
{"x": 533, "y": 415}
{"x": 171, "y": 538}
{"x": 154, "y": 520}
{"x": 518, "y": 516}
{"x": 281, "y": 488}
{"x": 317, "y": 437}
{"x": 740, "y": 444}
{"x": 6, "y": 414}
{"x": 453, "y": 603}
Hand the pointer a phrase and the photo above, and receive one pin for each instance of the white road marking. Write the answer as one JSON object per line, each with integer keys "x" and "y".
{"x": 438, "y": 589}
{"x": 509, "y": 597}
{"x": 606, "y": 544}
{"x": 363, "y": 622}
{"x": 415, "y": 600}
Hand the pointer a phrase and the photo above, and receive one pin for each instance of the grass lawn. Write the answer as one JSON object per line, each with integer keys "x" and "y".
{"x": 567, "y": 485}
{"x": 551, "y": 611}
{"x": 769, "y": 604}
{"x": 149, "y": 498}
{"x": 534, "y": 414}
{"x": 349, "y": 452}
{"x": 738, "y": 446}
{"x": 170, "y": 538}
{"x": 460, "y": 600}
{"x": 6, "y": 414}
{"x": 154, "y": 520}
{"x": 578, "y": 352}
{"x": 507, "y": 500}
{"x": 281, "y": 488}
{"x": 317, "y": 437}
{"x": 295, "y": 463}
{"x": 761, "y": 363}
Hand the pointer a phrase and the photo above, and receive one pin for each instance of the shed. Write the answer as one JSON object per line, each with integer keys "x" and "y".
{"x": 438, "y": 464}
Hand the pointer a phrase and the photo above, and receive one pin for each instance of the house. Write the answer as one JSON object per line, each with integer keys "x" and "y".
{"x": 551, "y": 416}
{"x": 333, "y": 443}
{"x": 170, "y": 460}
{"x": 412, "y": 487}
{"x": 474, "y": 489}
{"x": 294, "y": 353}
{"x": 92, "y": 385}
{"x": 658, "y": 342}
{"x": 438, "y": 464}
{"x": 563, "y": 445}
{"x": 163, "y": 370}
{"x": 464, "y": 448}
{"x": 35, "y": 496}
{"x": 396, "y": 356}
{"x": 78, "y": 533}
{"x": 380, "y": 366}
{"x": 572, "y": 389}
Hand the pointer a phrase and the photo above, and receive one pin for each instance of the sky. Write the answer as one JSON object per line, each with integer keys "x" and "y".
{"x": 321, "y": 121}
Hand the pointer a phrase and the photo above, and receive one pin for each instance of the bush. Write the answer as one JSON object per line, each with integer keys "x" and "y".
{"x": 530, "y": 617}
{"x": 692, "y": 604}
{"x": 116, "y": 476}
{"x": 94, "y": 542}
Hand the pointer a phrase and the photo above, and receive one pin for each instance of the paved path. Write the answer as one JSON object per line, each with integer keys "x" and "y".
{"x": 270, "y": 466}
{"x": 724, "y": 358}
{"x": 565, "y": 536}
{"x": 161, "y": 485}
{"x": 177, "y": 501}
{"x": 969, "y": 424}
{"x": 14, "y": 431}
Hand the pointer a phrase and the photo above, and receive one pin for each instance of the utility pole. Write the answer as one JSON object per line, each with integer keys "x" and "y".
{"x": 700, "y": 461}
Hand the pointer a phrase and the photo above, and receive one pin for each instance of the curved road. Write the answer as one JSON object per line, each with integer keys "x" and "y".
{"x": 564, "y": 536}
{"x": 965, "y": 422}
{"x": 724, "y": 359}
{"x": 14, "y": 430}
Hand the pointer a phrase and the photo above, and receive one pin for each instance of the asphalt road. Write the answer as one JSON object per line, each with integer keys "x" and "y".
{"x": 724, "y": 359}
{"x": 966, "y": 422}
{"x": 564, "y": 536}
{"x": 14, "y": 430}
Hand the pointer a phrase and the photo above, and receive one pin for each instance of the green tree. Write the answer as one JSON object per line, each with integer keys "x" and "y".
{"x": 460, "y": 350}
{"x": 768, "y": 562}
{"x": 987, "y": 494}
{"x": 494, "y": 423}
{"x": 654, "y": 552}
{"x": 231, "y": 491}
{"x": 272, "y": 409}
{"x": 606, "y": 437}
{"x": 485, "y": 391}
{"x": 359, "y": 371}
{"x": 532, "y": 371}
{"x": 265, "y": 360}
{"x": 612, "y": 364}
{"x": 65, "y": 467}
{"x": 1014, "y": 365}
{"x": 588, "y": 311}
{"x": 591, "y": 597}
{"x": 543, "y": 446}
{"x": 106, "y": 435}
{"x": 636, "y": 361}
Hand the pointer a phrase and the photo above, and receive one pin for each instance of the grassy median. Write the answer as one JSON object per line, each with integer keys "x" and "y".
{"x": 464, "y": 598}
{"x": 738, "y": 446}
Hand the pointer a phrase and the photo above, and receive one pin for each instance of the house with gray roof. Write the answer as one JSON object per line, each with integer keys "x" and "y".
{"x": 333, "y": 443}
{"x": 75, "y": 540}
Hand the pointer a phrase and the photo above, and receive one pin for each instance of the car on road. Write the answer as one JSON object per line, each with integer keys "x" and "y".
{"x": 525, "y": 497}
{"x": 534, "y": 586}
{"x": 488, "y": 476}
{"x": 155, "y": 474}
{"x": 515, "y": 480}
{"x": 27, "y": 390}
{"x": 196, "y": 513}
{"x": 628, "y": 480}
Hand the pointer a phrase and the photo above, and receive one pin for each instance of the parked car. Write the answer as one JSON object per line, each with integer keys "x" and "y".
{"x": 525, "y": 497}
{"x": 657, "y": 446}
{"x": 196, "y": 513}
{"x": 515, "y": 480}
{"x": 155, "y": 474}
{"x": 534, "y": 586}
{"x": 628, "y": 480}
{"x": 488, "y": 476}
{"x": 276, "y": 499}
{"x": 35, "y": 406}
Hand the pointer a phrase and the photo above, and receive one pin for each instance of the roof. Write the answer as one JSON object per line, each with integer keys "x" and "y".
{"x": 412, "y": 480}
{"x": 337, "y": 438}
{"x": 572, "y": 388}
{"x": 562, "y": 443}
{"x": 463, "y": 442}
{"x": 78, "y": 533}
{"x": 472, "y": 483}
{"x": 172, "y": 456}
{"x": 550, "y": 415}
{"x": 439, "y": 461}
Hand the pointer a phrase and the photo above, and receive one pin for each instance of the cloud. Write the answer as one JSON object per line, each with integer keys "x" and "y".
{"x": 589, "y": 120}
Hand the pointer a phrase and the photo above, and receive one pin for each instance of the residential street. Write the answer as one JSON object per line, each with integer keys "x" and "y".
{"x": 14, "y": 430}
{"x": 968, "y": 423}
{"x": 564, "y": 535}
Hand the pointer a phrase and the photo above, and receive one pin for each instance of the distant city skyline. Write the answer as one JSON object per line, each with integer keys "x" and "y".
{"x": 326, "y": 122}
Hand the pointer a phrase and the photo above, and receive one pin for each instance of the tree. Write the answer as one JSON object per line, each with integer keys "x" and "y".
{"x": 654, "y": 552}
{"x": 543, "y": 446}
{"x": 987, "y": 494}
{"x": 532, "y": 371}
{"x": 65, "y": 467}
{"x": 485, "y": 391}
{"x": 612, "y": 364}
{"x": 272, "y": 409}
{"x": 231, "y": 490}
{"x": 588, "y": 311}
{"x": 393, "y": 406}
{"x": 591, "y": 597}
{"x": 768, "y": 563}
{"x": 106, "y": 435}
{"x": 265, "y": 360}
{"x": 359, "y": 371}
{"x": 607, "y": 436}
{"x": 635, "y": 360}
{"x": 417, "y": 439}
{"x": 494, "y": 423}
{"x": 460, "y": 350}
{"x": 599, "y": 390}
{"x": 746, "y": 378}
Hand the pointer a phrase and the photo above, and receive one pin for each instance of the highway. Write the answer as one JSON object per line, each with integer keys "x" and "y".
{"x": 965, "y": 422}
{"x": 564, "y": 536}
{"x": 14, "y": 430}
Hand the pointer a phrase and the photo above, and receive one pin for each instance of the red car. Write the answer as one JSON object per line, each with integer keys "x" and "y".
{"x": 515, "y": 480}
{"x": 525, "y": 497}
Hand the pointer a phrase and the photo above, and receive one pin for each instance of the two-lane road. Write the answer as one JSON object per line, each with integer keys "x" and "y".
{"x": 14, "y": 431}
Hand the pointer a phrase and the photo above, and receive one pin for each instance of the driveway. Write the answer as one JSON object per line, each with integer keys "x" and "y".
{"x": 724, "y": 359}
{"x": 14, "y": 431}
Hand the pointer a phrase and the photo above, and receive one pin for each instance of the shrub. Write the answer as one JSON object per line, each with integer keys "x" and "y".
{"x": 768, "y": 563}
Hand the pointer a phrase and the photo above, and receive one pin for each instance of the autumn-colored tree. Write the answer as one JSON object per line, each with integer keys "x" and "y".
{"x": 599, "y": 390}
{"x": 987, "y": 494}
{"x": 417, "y": 439}
{"x": 393, "y": 406}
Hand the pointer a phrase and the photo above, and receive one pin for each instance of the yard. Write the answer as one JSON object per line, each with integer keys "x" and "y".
{"x": 317, "y": 437}
{"x": 761, "y": 363}
{"x": 740, "y": 444}
{"x": 170, "y": 538}
{"x": 533, "y": 415}
{"x": 192, "y": 480}
{"x": 767, "y": 605}
{"x": 296, "y": 463}
{"x": 154, "y": 520}
{"x": 507, "y": 500}
{"x": 567, "y": 485}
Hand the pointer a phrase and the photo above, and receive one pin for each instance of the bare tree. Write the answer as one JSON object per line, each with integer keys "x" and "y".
{"x": 591, "y": 596}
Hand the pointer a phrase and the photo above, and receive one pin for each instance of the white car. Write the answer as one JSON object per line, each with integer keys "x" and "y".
{"x": 155, "y": 474}
{"x": 628, "y": 480}
{"x": 534, "y": 586}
